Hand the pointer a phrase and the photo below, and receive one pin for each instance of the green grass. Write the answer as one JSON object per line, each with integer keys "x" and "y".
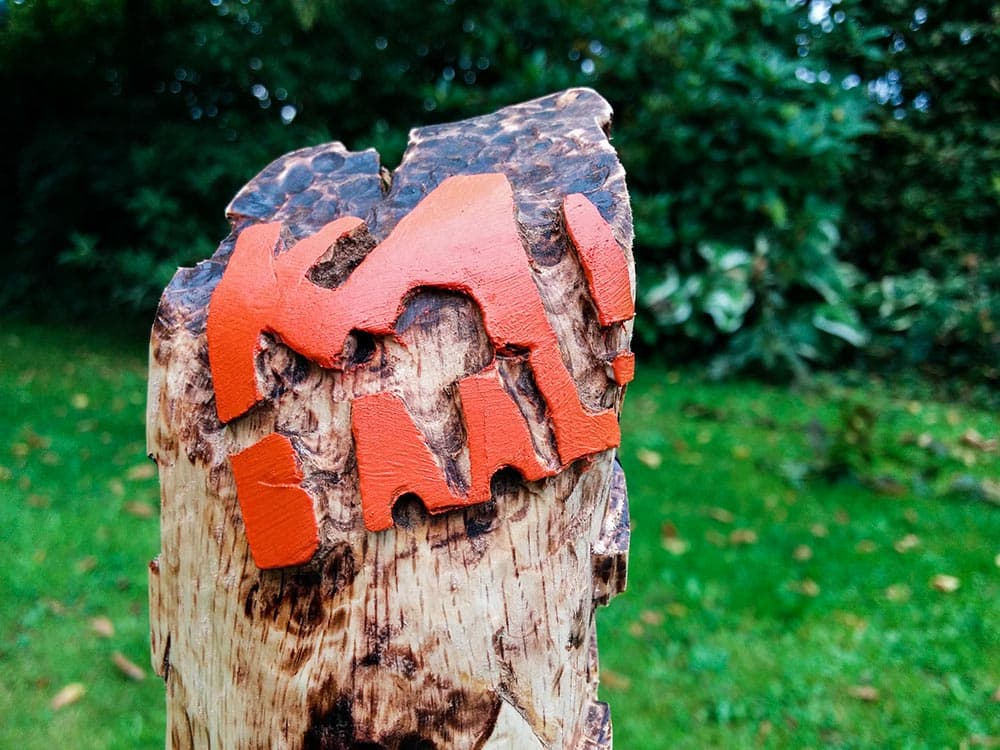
{"x": 780, "y": 592}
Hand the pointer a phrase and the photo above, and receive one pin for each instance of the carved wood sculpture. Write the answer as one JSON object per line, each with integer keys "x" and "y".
{"x": 384, "y": 415}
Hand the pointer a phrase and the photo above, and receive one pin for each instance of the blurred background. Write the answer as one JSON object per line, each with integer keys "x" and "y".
{"x": 816, "y": 189}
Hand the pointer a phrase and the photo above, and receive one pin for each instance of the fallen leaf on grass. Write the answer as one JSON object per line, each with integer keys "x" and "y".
{"x": 635, "y": 630}
{"x": 898, "y": 592}
{"x": 819, "y": 530}
{"x": 741, "y": 452}
{"x": 983, "y": 740}
{"x": 142, "y": 471}
{"x": 866, "y": 547}
{"x": 86, "y": 564}
{"x": 996, "y": 696}
{"x": 973, "y": 439}
{"x": 54, "y": 606}
{"x": 907, "y": 543}
{"x": 80, "y": 401}
{"x": 652, "y": 459}
{"x": 103, "y": 627}
{"x": 614, "y": 681}
{"x": 671, "y": 540}
{"x": 802, "y": 553}
{"x": 676, "y": 546}
{"x": 886, "y": 485}
{"x": 651, "y": 617}
{"x": 127, "y": 667}
{"x": 944, "y": 583}
{"x": 739, "y": 537}
{"x": 69, "y": 694}
{"x": 850, "y": 620}
{"x": 676, "y": 609}
{"x": 806, "y": 587}
{"x": 39, "y": 501}
{"x": 720, "y": 514}
{"x": 117, "y": 487}
{"x": 764, "y": 731}
{"x": 866, "y": 693}
{"x": 139, "y": 509}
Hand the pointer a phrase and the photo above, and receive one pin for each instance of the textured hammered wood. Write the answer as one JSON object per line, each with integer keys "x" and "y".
{"x": 472, "y": 629}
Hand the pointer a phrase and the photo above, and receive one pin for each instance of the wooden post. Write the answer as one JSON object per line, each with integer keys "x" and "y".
{"x": 384, "y": 415}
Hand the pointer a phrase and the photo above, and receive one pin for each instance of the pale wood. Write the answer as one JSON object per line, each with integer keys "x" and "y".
{"x": 470, "y": 629}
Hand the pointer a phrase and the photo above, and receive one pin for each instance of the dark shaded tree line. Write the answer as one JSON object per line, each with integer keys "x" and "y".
{"x": 812, "y": 181}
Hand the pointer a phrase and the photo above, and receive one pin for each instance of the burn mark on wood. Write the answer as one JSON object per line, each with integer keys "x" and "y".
{"x": 480, "y": 519}
{"x": 331, "y": 728}
{"x": 340, "y": 568}
{"x": 301, "y": 599}
{"x": 343, "y": 257}
{"x": 409, "y": 512}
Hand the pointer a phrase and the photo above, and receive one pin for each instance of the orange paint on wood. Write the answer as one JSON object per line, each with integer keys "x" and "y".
{"x": 602, "y": 259}
{"x": 277, "y": 513}
{"x": 257, "y": 294}
{"x": 393, "y": 459}
{"x": 462, "y": 237}
{"x": 489, "y": 410}
{"x": 623, "y": 367}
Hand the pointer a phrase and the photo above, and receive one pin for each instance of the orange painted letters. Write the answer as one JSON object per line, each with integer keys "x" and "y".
{"x": 462, "y": 237}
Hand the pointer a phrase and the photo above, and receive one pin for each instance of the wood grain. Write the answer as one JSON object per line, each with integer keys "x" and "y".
{"x": 469, "y": 629}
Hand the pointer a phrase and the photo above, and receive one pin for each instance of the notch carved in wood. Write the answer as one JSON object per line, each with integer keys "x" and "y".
{"x": 462, "y": 237}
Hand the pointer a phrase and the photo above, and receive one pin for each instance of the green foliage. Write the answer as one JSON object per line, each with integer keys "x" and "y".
{"x": 793, "y": 164}
{"x": 763, "y": 610}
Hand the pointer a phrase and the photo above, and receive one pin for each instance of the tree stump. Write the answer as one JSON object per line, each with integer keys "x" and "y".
{"x": 384, "y": 415}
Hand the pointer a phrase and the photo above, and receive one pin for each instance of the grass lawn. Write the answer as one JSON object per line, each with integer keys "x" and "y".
{"x": 809, "y": 569}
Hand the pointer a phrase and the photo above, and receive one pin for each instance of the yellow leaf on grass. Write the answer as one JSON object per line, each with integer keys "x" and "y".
{"x": 907, "y": 543}
{"x": 142, "y": 471}
{"x": 80, "y": 401}
{"x": 720, "y": 514}
{"x": 102, "y": 626}
{"x": 652, "y": 459}
{"x": 614, "y": 681}
{"x": 898, "y": 592}
{"x": 866, "y": 693}
{"x": 973, "y": 439}
{"x": 139, "y": 509}
{"x": 651, "y": 617}
{"x": 742, "y": 536}
{"x": 675, "y": 545}
{"x": 806, "y": 587}
{"x": 802, "y": 553}
{"x": 128, "y": 667}
{"x": 944, "y": 583}
{"x": 69, "y": 694}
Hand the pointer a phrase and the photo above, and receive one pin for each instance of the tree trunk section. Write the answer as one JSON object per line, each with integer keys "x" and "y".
{"x": 310, "y": 592}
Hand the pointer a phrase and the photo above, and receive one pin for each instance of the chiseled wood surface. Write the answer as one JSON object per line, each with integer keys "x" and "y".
{"x": 469, "y": 629}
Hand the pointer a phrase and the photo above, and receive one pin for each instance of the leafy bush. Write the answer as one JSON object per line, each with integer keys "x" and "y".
{"x": 810, "y": 179}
